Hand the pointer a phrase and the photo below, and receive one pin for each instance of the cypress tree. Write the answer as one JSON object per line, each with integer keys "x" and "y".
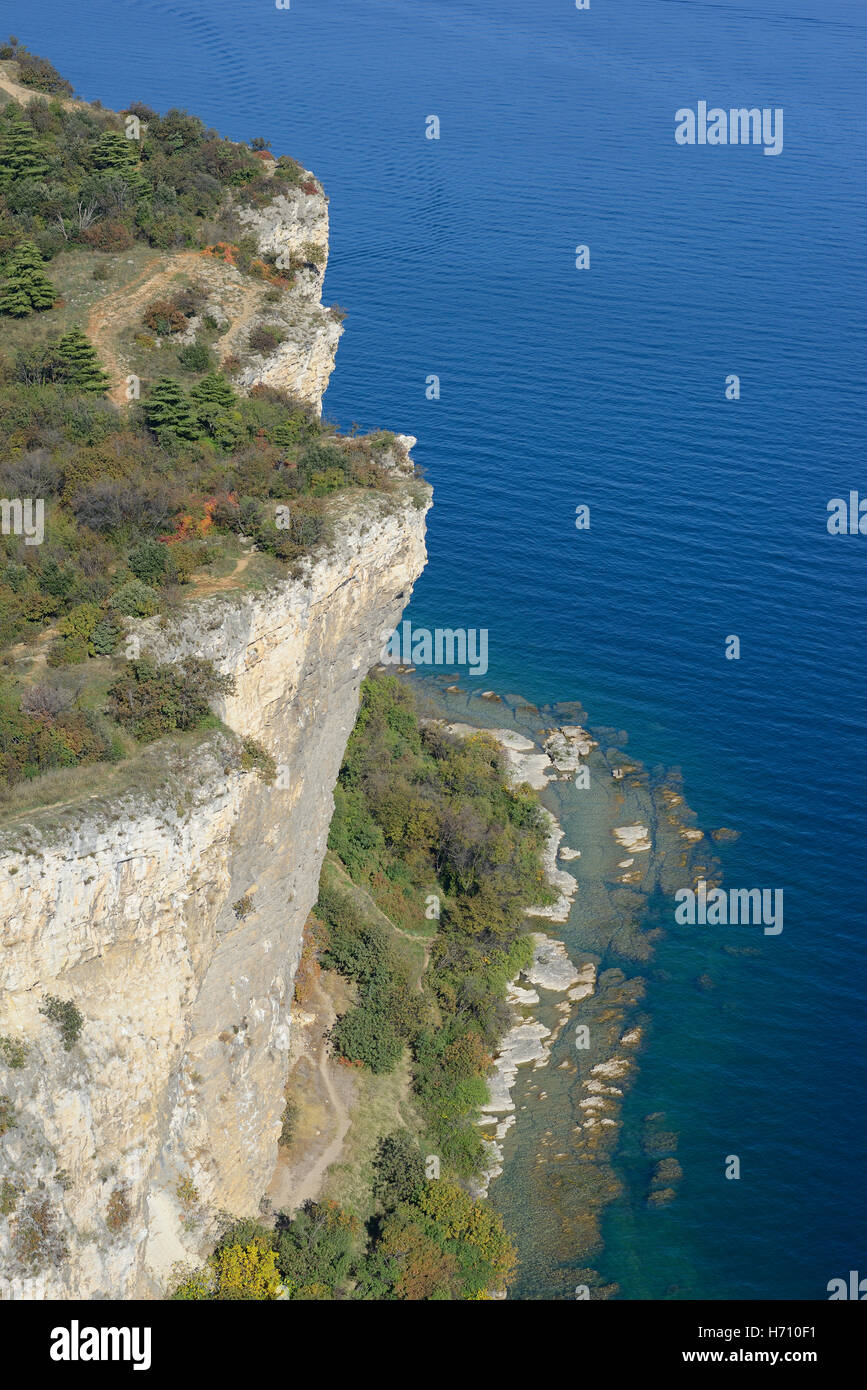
{"x": 78, "y": 364}
{"x": 27, "y": 287}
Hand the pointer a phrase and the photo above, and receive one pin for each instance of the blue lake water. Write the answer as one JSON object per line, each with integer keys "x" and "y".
{"x": 605, "y": 387}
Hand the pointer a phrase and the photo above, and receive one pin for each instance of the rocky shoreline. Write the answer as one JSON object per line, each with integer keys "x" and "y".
{"x": 552, "y": 1135}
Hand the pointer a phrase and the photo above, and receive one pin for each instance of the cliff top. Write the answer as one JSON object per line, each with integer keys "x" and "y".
{"x": 165, "y": 355}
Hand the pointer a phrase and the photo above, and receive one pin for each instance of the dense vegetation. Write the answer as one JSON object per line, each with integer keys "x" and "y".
{"x": 425, "y": 818}
{"x": 136, "y": 499}
{"x": 81, "y": 175}
{"x": 430, "y": 1241}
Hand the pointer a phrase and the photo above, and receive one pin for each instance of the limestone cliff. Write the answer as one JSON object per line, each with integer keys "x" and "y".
{"x": 294, "y": 229}
{"x": 170, "y": 909}
{"x": 172, "y": 915}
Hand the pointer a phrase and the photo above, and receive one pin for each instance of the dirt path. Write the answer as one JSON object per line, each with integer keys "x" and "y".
{"x": 204, "y": 587}
{"x": 367, "y": 904}
{"x": 118, "y": 308}
{"x": 28, "y": 94}
{"x": 310, "y": 1186}
{"x": 325, "y": 1093}
{"x": 231, "y": 342}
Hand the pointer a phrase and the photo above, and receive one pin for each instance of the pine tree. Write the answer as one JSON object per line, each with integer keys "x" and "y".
{"x": 78, "y": 364}
{"x": 213, "y": 390}
{"x": 20, "y": 154}
{"x": 168, "y": 410}
{"x": 115, "y": 154}
{"x": 14, "y": 301}
{"x": 214, "y": 407}
{"x": 27, "y": 287}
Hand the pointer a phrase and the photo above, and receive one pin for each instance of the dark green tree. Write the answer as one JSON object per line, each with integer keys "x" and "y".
{"x": 21, "y": 156}
{"x": 398, "y": 1167}
{"x": 214, "y": 406}
{"x": 78, "y": 364}
{"x": 168, "y": 411}
{"x": 213, "y": 390}
{"x": 114, "y": 154}
{"x": 27, "y": 288}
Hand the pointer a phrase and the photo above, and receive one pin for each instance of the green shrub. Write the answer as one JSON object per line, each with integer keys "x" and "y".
{"x": 152, "y": 700}
{"x": 135, "y": 600}
{"x": 255, "y": 757}
{"x": 151, "y": 563}
{"x": 80, "y": 622}
{"x": 196, "y": 357}
{"x": 8, "y": 1197}
{"x": 66, "y": 1017}
{"x": 398, "y": 1169}
{"x": 12, "y": 1051}
{"x": 315, "y": 1250}
{"x": 369, "y": 1036}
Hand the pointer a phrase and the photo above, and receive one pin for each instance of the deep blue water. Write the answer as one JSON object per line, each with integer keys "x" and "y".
{"x": 561, "y": 387}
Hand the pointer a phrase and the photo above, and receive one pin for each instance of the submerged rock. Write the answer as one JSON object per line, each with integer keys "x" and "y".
{"x": 635, "y": 838}
{"x": 725, "y": 836}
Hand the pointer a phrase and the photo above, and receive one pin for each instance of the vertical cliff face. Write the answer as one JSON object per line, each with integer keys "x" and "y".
{"x": 170, "y": 908}
{"x": 172, "y": 915}
{"x": 294, "y": 230}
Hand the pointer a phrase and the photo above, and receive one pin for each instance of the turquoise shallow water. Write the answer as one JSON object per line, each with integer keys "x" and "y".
{"x": 605, "y": 387}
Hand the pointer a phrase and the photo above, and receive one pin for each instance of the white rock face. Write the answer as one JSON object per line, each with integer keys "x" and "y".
{"x": 172, "y": 914}
{"x": 552, "y": 967}
{"x": 295, "y": 226}
{"x": 292, "y": 224}
{"x": 523, "y": 1043}
{"x": 528, "y": 1040}
{"x": 302, "y": 364}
